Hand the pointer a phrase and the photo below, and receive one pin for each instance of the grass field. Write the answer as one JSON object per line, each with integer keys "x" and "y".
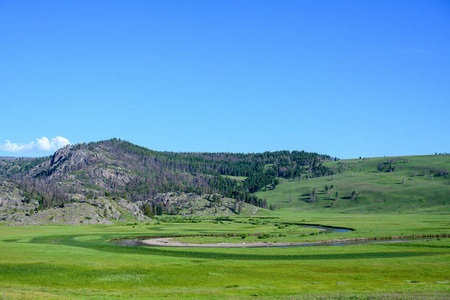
{"x": 77, "y": 261}
{"x": 405, "y": 189}
{"x": 60, "y": 262}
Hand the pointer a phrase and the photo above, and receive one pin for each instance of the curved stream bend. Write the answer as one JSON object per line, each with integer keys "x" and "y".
{"x": 162, "y": 241}
{"x": 168, "y": 241}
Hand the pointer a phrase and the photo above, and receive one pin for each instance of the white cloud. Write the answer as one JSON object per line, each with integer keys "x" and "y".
{"x": 60, "y": 142}
{"x": 13, "y": 147}
{"x": 42, "y": 144}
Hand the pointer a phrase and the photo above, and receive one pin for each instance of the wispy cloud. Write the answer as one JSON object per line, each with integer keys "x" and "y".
{"x": 417, "y": 51}
{"x": 41, "y": 144}
{"x": 423, "y": 51}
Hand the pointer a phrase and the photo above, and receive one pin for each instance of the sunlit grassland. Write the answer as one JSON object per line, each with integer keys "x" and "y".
{"x": 365, "y": 225}
{"x": 77, "y": 261}
{"x": 409, "y": 188}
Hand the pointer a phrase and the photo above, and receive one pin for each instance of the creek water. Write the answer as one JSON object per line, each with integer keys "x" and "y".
{"x": 327, "y": 229}
{"x": 324, "y": 229}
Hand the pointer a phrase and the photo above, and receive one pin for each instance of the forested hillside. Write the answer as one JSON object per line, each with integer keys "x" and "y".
{"x": 121, "y": 169}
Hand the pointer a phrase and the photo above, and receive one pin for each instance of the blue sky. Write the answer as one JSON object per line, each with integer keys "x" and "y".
{"x": 344, "y": 78}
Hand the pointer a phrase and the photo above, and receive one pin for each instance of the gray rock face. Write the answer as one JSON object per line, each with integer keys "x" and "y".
{"x": 92, "y": 167}
{"x": 74, "y": 186}
{"x": 191, "y": 204}
{"x": 15, "y": 210}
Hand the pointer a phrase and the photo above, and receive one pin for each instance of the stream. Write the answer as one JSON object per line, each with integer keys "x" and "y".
{"x": 325, "y": 229}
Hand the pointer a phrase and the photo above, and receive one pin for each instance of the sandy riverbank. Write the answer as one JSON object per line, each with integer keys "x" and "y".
{"x": 169, "y": 242}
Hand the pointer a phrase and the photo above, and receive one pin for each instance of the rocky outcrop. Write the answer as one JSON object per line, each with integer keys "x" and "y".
{"x": 15, "y": 209}
{"x": 85, "y": 166}
{"x": 191, "y": 204}
{"x": 90, "y": 174}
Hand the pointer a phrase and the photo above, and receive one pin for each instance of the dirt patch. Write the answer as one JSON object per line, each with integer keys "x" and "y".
{"x": 169, "y": 242}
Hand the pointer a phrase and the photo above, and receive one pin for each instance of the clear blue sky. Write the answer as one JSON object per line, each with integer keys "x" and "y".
{"x": 345, "y": 78}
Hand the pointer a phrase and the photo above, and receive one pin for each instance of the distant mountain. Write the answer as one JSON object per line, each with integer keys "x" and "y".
{"x": 14, "y": 158}
{"x": 121, "y": 170}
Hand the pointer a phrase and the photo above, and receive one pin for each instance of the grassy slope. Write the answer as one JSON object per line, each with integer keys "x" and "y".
{"x": 378, "y": 192}
{"x": 76, "y": 261}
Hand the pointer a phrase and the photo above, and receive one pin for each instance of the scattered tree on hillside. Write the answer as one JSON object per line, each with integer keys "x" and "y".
{"x": 313, "y": 195}
{"x": 327, "y": 190}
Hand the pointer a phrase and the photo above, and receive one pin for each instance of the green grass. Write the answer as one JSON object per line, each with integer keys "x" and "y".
{"x": 376, "y": 192}
{"x": 77, "y": 261}
{"x": 60, "y": 262}
{"x": 237, "y": 178}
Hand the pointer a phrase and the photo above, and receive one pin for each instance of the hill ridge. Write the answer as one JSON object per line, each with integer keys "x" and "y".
{"x": 120, "y": 169}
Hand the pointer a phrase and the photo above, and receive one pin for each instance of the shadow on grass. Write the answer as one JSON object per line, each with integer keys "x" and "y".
{"x": 11, "y": 240}
{"x": 102, "y": 245}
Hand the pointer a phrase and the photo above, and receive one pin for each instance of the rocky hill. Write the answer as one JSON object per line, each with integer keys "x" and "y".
{"x": 109, "y": 179}
{"x": 16, "y": 209}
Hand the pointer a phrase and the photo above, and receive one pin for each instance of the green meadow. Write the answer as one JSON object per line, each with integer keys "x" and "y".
{"x": 414, "y": 185}
{"x": 60, "y": 262}
{"x": 78, "y": 262}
